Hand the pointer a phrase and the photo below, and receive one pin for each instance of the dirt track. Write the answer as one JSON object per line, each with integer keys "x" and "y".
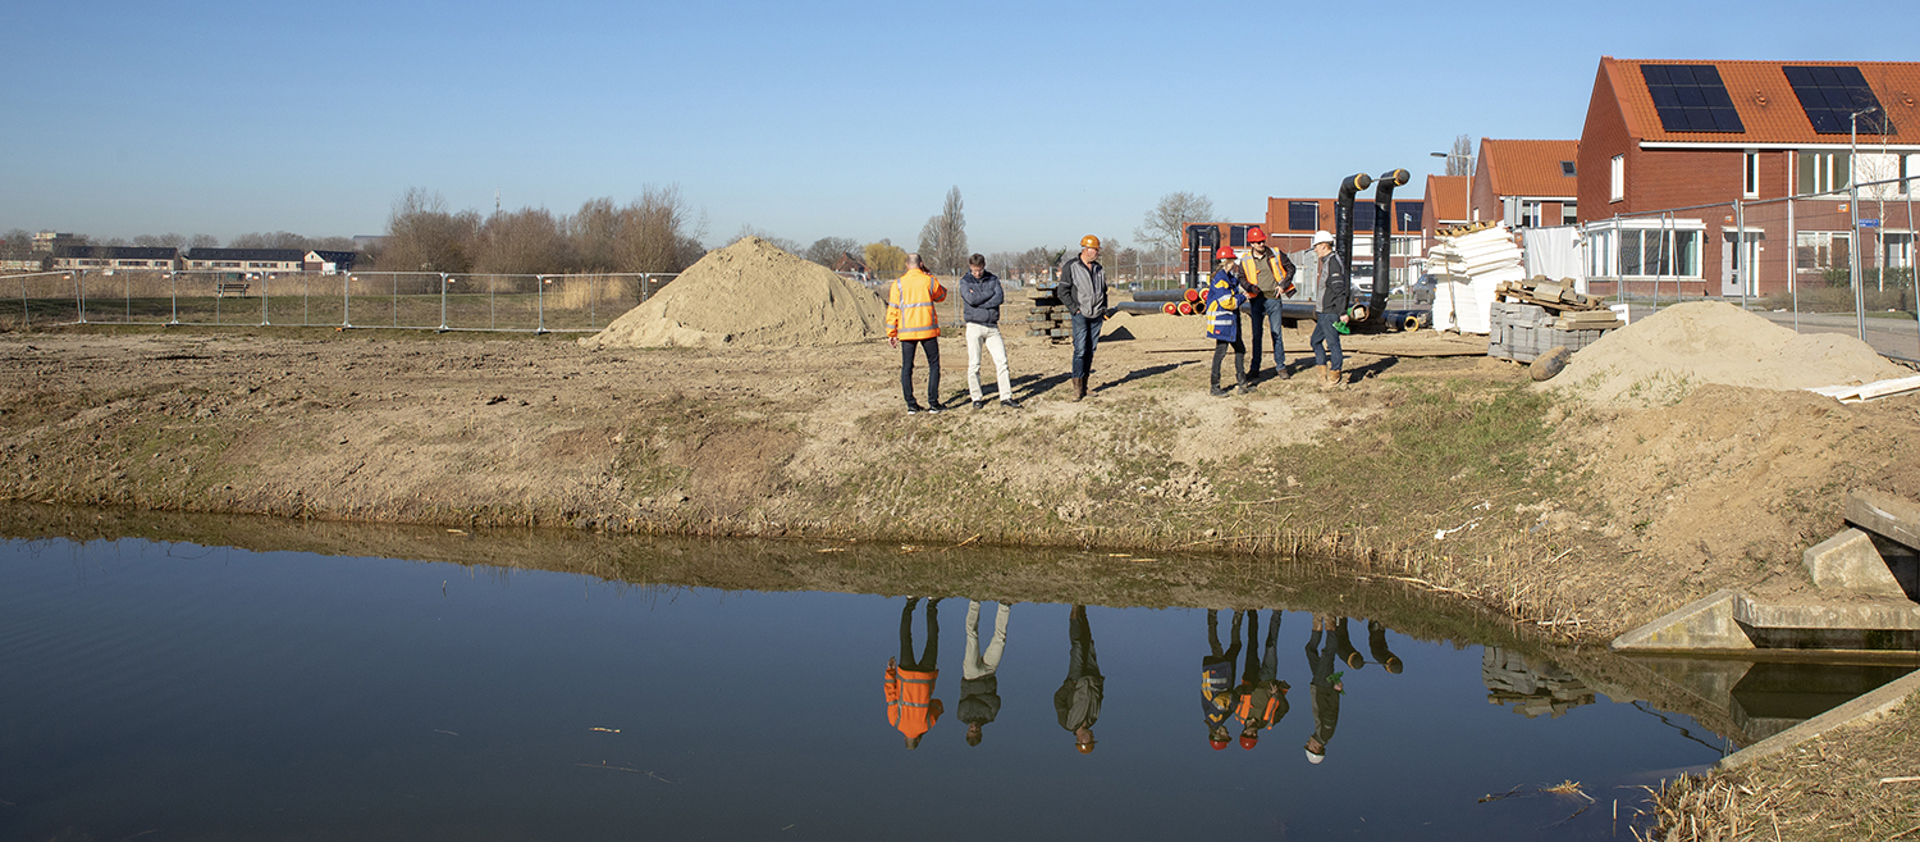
{"x": 1546, "y": 511}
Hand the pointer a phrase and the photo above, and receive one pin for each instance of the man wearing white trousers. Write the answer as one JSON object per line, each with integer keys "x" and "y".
{"x": 979, "y": 687}
{"x": 980, "y": 299}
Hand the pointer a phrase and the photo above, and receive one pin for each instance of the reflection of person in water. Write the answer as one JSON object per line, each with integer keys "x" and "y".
{"x": 1326, "y": 689}
{"x": 911, "y": 706}
{"x": 1343, "y": 646}
{"x": 1377, "y": 647}
{"x": 1263, "y": 696}
{"x": 979, "y": 687}
{"x": 1077, "y": 702}
{"x": 1216, "y": 679}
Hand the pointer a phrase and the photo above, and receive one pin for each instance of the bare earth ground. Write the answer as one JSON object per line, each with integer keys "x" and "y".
{"x": 1451, "y": 473}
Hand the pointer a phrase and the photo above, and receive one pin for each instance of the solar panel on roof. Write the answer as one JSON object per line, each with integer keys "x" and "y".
{"x": 1691, "y": 98}
{"x": 1831, "y": 95}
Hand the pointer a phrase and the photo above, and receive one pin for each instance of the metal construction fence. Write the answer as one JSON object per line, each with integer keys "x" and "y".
{"x": 1835, "y": 261}
{"x": 406, "y": 300}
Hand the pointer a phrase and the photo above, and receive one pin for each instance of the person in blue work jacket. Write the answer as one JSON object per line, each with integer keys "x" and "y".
{"x": 1222, "y": 307}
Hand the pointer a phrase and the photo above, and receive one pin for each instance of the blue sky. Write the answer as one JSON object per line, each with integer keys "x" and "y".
{"x": 806, "y": 120}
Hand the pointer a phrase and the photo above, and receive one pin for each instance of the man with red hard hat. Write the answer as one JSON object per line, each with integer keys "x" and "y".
{"x": 1270, "y": 275}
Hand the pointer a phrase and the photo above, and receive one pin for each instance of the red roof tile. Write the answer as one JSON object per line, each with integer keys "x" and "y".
{"x": 1446, "y": 197}
{"x": 1765, "y": 101}
{"x": 1529, "y": 167}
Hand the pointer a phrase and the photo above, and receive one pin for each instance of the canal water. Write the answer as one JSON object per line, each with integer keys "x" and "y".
{"x": 167, "y": 691}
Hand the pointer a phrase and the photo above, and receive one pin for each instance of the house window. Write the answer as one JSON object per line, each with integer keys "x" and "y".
{"x": 1618, "y": 178}
{"x": 1569, "y": 213}
{"x": 1566, "y": 169}
{"x": 1657, "y": 253}
{"x": 1530, "y": 210}
{"x": 1303, "y": 216}
{"x": 1823, "y": 172}
{"x": 1751, "y": 170}
{"x": 1898, "y": 248}
{"x": 1821, "y": 249}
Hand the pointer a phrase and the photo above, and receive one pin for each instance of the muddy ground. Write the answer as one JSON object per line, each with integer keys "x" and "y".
{"x": 1452, "y": 474}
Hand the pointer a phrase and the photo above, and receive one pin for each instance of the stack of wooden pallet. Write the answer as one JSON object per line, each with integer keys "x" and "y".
{"x": 1048, "y": 316}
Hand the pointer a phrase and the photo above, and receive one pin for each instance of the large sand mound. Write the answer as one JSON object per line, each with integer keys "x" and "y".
{"x": 750, "y": 293}
{"x": 1663, "y": 358}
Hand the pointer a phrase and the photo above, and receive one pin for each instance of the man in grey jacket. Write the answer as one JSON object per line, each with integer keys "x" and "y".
{"x": 1083, "y": 288}
{"x": 1336, "y": 295}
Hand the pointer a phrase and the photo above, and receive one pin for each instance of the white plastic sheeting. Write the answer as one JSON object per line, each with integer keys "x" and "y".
{"x": 1555, "y": 253}
{"x": 1466, "y": 270}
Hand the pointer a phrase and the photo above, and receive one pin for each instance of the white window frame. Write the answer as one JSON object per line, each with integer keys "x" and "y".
{"x": 1570, "y": 213}
{"x": 1617, "y": 177}
{"x": 1750, "y": 173}
{"x": 1606, "y": 240}
{"x": 1828, "y": 172}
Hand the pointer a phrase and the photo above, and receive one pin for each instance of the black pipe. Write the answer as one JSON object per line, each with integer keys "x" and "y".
{"x": 1383, "y": 239}
{"x": 1343, "y": 222}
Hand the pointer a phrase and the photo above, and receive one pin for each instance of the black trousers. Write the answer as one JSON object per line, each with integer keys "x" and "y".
{"x": 932, "y": 348}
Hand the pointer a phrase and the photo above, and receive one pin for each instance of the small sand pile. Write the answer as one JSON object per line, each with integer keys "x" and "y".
{"x": 1159, "y": 326}
{"x": 750, "y": 293}
{"x": 1661, "y": 359}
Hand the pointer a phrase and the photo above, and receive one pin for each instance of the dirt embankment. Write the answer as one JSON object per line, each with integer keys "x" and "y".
{"x": 1447, "y": 472}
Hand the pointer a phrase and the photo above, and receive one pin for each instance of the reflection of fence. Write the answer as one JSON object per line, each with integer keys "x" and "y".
{"x": 1819, "y": 262}
{"x": 409, "y": 300}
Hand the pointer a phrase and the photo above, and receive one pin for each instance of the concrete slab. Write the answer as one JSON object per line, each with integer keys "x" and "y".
{"x": 1708, "y": 623}
{"x": 1848, "y": 562}
{"x": 1895, "y": 613}
{"x": 1886, "y": 515}
{"x": 1859, "y": 711}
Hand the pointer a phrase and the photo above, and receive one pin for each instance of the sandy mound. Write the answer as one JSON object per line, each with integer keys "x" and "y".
{"x": 1158, "y": 326}
{"x": 750, "y": 293}
{"x": 1663, "y": 358}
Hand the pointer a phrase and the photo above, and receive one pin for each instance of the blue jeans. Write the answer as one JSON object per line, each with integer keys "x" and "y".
{"x": 1325, "y": 335}
{"x": 1267, "y": 309}
{"x": 1086, "y": 335}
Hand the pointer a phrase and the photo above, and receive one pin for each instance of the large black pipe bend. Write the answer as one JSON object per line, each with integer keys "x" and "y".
{"x": 1343, "y": 220}
{"x": 1383, "y": 238}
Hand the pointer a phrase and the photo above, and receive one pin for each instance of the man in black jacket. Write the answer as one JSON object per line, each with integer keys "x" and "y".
{"x": 980, "y": 299}
{"x": 1336, "y": 295}
{"x": 1083, "y": 288}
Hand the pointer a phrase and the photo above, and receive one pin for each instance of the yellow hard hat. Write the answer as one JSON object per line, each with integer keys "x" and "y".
{"x": 1089, "y": 242}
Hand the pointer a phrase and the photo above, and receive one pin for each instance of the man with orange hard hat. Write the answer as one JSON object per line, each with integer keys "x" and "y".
{"x": 1270, "y": 274}
{"x": 1083, "y": 288}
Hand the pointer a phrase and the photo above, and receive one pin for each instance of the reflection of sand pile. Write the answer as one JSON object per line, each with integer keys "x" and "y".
{"x": 750, "y": 293}
{"x": 1662, "y": 358}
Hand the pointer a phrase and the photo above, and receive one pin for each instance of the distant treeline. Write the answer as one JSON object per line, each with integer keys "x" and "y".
{"x": 650, "y": 234}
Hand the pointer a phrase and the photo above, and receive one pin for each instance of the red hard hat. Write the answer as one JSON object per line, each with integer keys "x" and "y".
{"x": 1256, "y": 235}
{"x": 1225, "y": 253}
{"x": 1217, "y": 744}
{"x": 1247, "y": 742}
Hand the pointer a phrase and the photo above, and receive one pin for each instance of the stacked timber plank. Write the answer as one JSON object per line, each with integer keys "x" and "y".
{"x": 1467, "y": 265}
{"x": 1537, "y": 315}
{"x": 1048, "y": 316}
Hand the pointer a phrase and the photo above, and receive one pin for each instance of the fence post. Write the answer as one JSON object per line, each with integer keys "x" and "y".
{"x": 443, "y": 303}
{"x": 1740, "y": 267}
{"x": 175, "y": 277}
{"x": 540, "y": 301}
{"x": 346, "y": 301}
{"x": 79, "y": 296}
{"x": 264, "y": 278}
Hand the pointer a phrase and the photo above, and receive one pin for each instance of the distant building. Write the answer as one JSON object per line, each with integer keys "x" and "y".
{"x": 1527, "y": 183}
{"x": 148, "y": 258}
{"x": 1446, "y": 205}
{"x": 245, "y": 260}
{"x": 47, "y": 241}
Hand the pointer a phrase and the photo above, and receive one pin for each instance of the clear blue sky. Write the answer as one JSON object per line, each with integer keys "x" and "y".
{"x": 805, "y": 119}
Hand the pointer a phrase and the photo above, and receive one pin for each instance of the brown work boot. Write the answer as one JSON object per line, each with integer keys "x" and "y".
{"x": 1079, "y": 386}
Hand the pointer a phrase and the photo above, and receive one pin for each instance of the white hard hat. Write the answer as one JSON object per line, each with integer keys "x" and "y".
{"x": 1314, "y": 758}
{"x": 1322, "y": 237}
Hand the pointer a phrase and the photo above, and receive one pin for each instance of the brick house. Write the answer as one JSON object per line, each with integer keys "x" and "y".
{"x": 1676, "y": 135}
{"x": 1291, "y": 222}
{"x": 1527, "y": 183}
{"x": 245, "y": 260}
{"x": 1447, "y": 204}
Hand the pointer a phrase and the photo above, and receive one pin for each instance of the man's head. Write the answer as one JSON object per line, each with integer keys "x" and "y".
{"x": 1316, "y": 750}
{"x": 1257, "y": 240}
{"x": 1322, "y": 243}
{"x": 1217, "y": 737}
{"x": 1089, "y": 248}
{"x": 913, "y": 260}
{"x": 977, "y": 265}
{"x": 973, "y": 733}
{"x": 1083, "y": 739}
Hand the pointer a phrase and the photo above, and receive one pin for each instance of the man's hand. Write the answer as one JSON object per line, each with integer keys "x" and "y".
{"x": 893, "y": 341}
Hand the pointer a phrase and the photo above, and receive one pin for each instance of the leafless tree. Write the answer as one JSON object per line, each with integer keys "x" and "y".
{"x": 779, "y": 242}
{"x": 422, "y": 235}
{"x": 1460, "y": 159}
{"x": 654, "y": 232}
{"x": 523, "y": 242}
{"x": 943, "y": 240}
{"x": 826, "y": 251}
{"x": 272, "y": 240}
{"x": 1164, "y": 225}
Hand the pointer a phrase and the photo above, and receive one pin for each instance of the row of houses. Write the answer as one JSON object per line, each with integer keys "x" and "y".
{"x": 168, "y": 259}
{"x": 1650, "y": 187}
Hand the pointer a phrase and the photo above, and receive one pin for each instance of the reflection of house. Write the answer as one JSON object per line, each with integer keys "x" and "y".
{"x": 1531, "y": 688}
{"x": 115, "y": 257}
{"x": 1664, "y": 134}
{"x": 1527, "y": 183}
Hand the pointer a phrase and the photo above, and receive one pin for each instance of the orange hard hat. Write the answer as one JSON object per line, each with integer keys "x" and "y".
{"x": 1217, "y": 744}
{"x": 1256, "y": 235}
{"x": 1225, "y": 253}
{"x": 1089, "y": 242}
{"x": 1247, "y": 742}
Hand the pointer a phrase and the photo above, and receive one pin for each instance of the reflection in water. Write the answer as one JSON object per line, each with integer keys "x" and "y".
{"x": 1263, "y": 696}
{"x": 979, "y": 686}
{"x": 1077, "y": 702}
{"x": 1216, "y": 679}
{"x": 1532, "y": 687}
{"x": 911, "y": 706}
{"x": 1377, "y": 646}
{"x": 1325, "y": 688}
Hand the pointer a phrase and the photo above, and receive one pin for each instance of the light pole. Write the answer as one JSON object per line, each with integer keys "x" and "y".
{"x": 1853, "y": 209}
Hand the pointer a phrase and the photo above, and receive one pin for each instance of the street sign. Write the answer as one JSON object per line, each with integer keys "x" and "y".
{"x": 1869, "y": 223}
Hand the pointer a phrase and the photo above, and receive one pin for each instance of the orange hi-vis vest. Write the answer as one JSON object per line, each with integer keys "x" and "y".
{"x": 1272, "y": 706}
{"x": 910, "y": 303}
{"x": 910, "y": 703}
{"x": 1281, "y": 278}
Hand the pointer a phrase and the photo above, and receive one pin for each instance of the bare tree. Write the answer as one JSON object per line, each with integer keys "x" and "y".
{"x": 654, "y": 232}
{"x": 779, "y": 242}
{"x": 943, "y": 240}
{"x": 826, "y": 251}
{"x": 203, "y": 241}
{"x": 594, "y": 232}
{"x": 1164, "y": 225}
{"x": 423, "y": 236}
{"x": 523, "y": 242}
{"x": 1460, "y": 159}
{"x": 273, "y": 240}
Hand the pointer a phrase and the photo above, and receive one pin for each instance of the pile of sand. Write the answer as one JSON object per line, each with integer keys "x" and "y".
{"x": 750, "y": 293}
{"x": 1663, "y": 358}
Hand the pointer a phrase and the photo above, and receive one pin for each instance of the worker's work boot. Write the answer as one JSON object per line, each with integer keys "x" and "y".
{"x": 1079, "y": 387}
{"x": 1240, "y": 374}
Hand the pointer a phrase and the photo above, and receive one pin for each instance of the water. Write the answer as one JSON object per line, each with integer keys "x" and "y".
{"x": 182, "y": 692}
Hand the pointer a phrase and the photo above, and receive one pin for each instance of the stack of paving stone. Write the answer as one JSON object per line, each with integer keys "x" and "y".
{"x": 1048, "y": 316}
{"x": 1532, "y": 317}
